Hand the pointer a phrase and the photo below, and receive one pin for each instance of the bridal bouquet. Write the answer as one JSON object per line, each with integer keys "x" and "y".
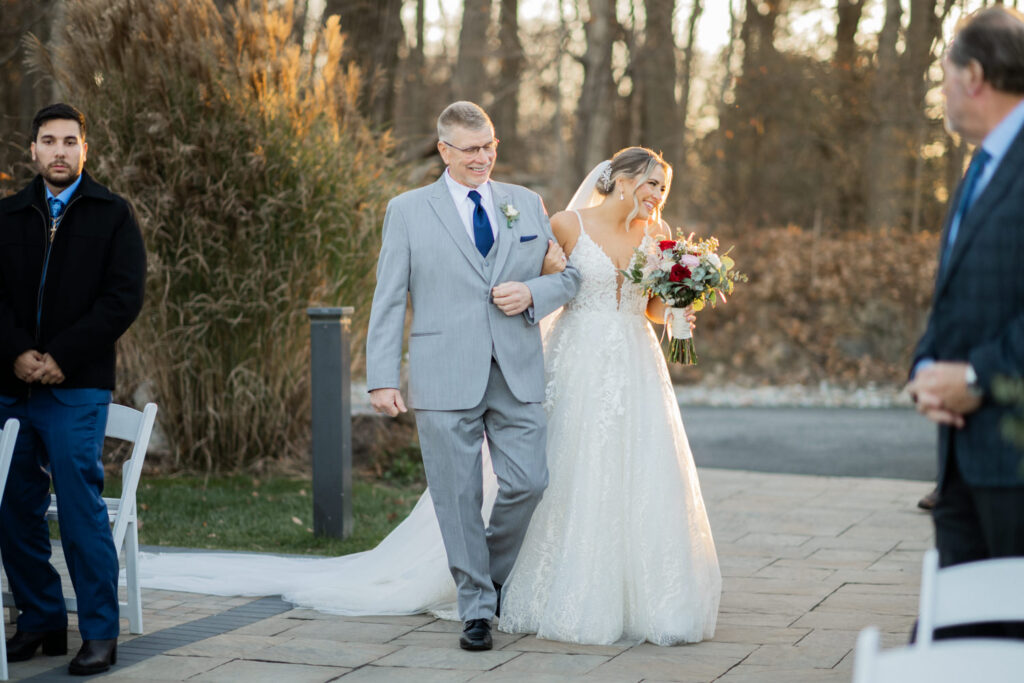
{"x": 683, "y": 273}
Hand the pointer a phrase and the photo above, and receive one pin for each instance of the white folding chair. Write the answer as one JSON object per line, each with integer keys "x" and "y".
{"x": 992, "y": 660}
{"x": 7, "y": 439}
{"x": 971, "y": 593}
{"x": 135, "y": 426}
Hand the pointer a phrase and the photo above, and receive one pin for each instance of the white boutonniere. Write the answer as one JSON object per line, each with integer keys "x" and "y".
{"x": 511, "y": 213}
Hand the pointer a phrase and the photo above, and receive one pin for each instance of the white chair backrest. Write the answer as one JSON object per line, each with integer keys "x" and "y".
{"x": 991, "y": 660}
{"x": 971, "y": 593}
{"x": 136, "y": 426}
{"x": 7, "y": 438}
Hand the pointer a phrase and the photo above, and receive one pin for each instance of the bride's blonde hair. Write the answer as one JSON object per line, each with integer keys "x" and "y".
{"x": 634, "y": 163}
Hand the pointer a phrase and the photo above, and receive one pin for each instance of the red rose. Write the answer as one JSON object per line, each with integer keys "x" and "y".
{"x": 679, "y": 273}
{"x": 665, "y": 245}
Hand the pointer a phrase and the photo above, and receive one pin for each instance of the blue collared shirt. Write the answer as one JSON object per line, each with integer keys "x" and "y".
{"x": 66, "y": 193}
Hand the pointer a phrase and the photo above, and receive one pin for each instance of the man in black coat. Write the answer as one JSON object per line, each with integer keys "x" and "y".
{"x": 72, "y": 274}
{"x": 976, "y": 329}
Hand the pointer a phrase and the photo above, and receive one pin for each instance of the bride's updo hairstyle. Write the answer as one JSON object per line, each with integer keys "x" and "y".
{"x": 634, "y": 163}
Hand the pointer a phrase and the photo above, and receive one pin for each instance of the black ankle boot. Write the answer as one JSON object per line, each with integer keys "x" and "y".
{"x": 23, "y": 644}
{"x": 95, "y": 656}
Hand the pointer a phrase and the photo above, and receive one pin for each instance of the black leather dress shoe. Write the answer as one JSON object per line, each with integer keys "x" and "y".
{"x": 929, "y": 501}
{"x": 23, "y": 645}
{"x": 95, "y": 656}
{"x": 476, "y": 635}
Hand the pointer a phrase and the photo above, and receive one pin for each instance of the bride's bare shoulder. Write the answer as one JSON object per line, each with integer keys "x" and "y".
{"x": 566, "y": 228}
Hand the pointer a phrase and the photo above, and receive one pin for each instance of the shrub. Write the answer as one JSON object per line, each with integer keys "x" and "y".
{"x": 260, "y": 191}
{"x": 847, "y": 308}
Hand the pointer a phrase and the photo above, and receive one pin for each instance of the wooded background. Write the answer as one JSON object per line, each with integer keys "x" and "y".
{"x": 260, "y": 141}
{"x": 818, "y": 114}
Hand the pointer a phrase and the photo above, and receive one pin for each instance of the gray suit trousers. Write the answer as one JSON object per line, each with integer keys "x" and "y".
{"x": 451, "y": 442}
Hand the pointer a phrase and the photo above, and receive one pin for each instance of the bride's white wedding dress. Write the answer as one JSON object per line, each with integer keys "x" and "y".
{"x": 620, "y": 546}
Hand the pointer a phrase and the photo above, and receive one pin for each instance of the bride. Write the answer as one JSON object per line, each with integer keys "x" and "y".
{"x": 620, "y": 546}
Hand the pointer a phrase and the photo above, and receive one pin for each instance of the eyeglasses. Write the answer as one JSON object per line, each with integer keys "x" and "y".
{"x": 491, "y": 147}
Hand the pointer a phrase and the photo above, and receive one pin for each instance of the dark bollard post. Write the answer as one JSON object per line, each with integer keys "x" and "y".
{"x": 332, "y": 420}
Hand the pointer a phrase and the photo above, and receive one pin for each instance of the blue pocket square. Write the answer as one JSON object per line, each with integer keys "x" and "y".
{"x": 527, "y": 238}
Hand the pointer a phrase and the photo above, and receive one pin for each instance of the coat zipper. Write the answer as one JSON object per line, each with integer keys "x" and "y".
{"x": 54, "y": 224}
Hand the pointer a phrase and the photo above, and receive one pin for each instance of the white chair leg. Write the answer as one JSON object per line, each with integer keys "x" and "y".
{"x": 3, "y": 651}
{"x": 131, "y": 562}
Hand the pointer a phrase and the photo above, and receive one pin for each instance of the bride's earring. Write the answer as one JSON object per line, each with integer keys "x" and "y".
{"x": 622, "y": 196}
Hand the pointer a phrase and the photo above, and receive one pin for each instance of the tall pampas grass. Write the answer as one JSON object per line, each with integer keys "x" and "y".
{"x": 260, "y": 191}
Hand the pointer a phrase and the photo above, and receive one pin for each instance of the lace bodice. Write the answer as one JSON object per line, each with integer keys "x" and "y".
{"x": 602, "y": 288}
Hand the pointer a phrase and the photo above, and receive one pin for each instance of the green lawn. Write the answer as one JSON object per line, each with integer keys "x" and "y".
{"x": 268, "y": 515}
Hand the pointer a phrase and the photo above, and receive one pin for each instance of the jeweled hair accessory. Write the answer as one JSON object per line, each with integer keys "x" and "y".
{"x": 604, "y": 181}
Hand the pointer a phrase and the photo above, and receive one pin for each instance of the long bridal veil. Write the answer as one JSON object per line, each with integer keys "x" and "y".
{"x": 407, "y": 573}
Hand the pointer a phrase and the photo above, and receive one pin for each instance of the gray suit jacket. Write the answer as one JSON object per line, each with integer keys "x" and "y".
{"x": 427, "y": 253}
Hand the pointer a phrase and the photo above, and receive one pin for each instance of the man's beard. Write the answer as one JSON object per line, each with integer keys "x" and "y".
{"x": 59, "y": 181}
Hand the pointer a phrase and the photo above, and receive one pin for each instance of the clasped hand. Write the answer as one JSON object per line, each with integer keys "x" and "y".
{"x": 32, "y": 366}
{"x": 515, "y": 297}
{"x": 941, "y": 394}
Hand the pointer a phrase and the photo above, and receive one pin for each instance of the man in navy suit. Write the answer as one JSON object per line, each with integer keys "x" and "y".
{"x": 72, "y": 274}
{"x": 975, "y": 331}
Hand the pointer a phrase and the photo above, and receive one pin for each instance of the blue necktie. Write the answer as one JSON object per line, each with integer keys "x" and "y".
{"x": 481, "y": 225}
{"x": 56, "y": 207}
{"x": 974, "y": 172}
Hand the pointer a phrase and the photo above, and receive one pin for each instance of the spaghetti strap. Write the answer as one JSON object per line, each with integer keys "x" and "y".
{"x": 580, "y": 219}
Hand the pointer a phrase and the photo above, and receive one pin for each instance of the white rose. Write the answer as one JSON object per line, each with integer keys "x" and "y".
{"x": 714, "y": 260}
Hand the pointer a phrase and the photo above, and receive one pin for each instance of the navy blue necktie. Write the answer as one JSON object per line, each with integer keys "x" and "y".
{"x": 56, "y": 207}
{"x": 974, "y": 172}
{"x": 481, "y": 226}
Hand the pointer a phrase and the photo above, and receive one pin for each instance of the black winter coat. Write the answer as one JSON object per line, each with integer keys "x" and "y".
{"x": 93, "y": 288}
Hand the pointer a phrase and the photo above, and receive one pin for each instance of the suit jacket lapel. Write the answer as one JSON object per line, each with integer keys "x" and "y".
{"x": 987, "y": 201}
{"x": 448, "y": 215}
{"x": 506, "y": 236}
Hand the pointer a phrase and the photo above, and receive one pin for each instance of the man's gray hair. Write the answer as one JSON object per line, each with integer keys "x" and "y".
{"x": 994, "y": 37}
{"x": 464, "y": 115}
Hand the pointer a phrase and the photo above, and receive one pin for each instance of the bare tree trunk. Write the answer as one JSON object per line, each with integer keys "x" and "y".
{"x": 750, "y": 120}
{"x": 412, "y": 123}
{"x": 506, "y": 99}
{"x": 470, "y": 71}
{"x": 847, "y": 156}
{"x": 687, "y": 75}
{"x": 596, "y": 110}
{"x": 660, "y": 120}
{"x": 21, "y": 93}
{"x": 299, "y": 25}
{"x": 883, "y": 169}
{"x": 373, "y": 30}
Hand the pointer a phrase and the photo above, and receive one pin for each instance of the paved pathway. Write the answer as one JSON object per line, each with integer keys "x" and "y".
{"x": 807, "y": 561}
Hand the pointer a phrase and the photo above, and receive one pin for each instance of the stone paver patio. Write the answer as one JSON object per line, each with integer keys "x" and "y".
{"x": 807, "y": 562}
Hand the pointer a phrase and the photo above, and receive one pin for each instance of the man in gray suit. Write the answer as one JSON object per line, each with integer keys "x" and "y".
{"x": 469, "y": 253}
{"x": 976, "y": 329}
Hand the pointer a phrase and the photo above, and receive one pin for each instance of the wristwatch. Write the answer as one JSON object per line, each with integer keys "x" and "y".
{"x": 971, "y": 377}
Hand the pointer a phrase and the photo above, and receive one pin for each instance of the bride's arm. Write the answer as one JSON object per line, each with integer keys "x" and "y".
{"x": 655, "y": 306}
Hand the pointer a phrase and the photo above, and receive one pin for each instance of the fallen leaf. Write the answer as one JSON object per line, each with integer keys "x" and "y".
{"x": 297, "y": 521}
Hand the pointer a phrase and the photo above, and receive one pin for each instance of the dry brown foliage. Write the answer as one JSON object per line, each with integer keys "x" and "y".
{"x": 260, "y": 191}
{"x": 845, "y": 308}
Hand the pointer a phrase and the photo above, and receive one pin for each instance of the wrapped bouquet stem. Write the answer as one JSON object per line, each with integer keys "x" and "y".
{"x": 680, "y": 337}
{"x": 683, "y": 273}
